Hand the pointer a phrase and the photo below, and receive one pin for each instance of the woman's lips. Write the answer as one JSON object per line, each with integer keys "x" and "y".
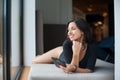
{"x": 70, "y": 36}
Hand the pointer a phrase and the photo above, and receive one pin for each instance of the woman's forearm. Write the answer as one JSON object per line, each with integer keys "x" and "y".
{"x": 76, "y": 47}
{"x": 83, "y": 70}
{"x": 75, "y": 60}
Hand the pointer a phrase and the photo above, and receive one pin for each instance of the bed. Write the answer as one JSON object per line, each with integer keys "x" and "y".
{"x": 103, "y": 71}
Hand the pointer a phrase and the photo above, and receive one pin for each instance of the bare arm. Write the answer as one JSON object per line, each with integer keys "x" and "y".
{"x": 46, "y": 57}
{"x": 72, "y": 68}
{"x": 83, "y": 70}
{"x": 76, "y": 52}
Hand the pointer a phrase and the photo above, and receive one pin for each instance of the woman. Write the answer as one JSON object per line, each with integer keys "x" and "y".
{"x": 77, "y": 52}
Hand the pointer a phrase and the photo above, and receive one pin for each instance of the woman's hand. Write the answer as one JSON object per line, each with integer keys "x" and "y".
{"x": 76, "y": 47}
{"x": 69, "y": 68}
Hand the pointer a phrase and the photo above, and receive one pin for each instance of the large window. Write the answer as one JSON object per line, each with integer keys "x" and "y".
{"x": 12, "y": 38}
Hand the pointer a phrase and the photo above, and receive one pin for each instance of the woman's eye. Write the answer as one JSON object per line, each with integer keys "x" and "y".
{"x": 73, "y": 28}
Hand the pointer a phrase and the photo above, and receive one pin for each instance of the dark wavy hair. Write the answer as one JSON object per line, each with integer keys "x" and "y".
{"x": 83, "y": 26}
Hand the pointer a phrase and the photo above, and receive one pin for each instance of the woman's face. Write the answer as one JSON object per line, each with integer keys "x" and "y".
{"x": 74, "y": 33}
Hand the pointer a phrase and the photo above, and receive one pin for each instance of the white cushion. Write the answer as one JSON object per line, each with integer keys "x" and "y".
{"x": 103, "y": 71}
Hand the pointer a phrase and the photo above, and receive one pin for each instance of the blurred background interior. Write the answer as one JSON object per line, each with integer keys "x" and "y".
{"x": 54, "y": 16}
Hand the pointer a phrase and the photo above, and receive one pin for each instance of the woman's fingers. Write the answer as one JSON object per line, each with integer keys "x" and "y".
{"x": 63, "y": 68}
{"x": 68, "y": 69}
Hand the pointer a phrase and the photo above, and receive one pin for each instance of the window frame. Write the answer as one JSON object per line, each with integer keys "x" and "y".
{"x": 6, "y": 39}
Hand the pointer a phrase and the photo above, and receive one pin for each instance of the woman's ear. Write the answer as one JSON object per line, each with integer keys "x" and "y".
{"x": 82, "y": 33}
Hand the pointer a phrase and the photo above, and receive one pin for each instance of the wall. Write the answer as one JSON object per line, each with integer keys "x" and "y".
{"x": 29, "y": 31}
{"x": 117, "y": 38}
{"x": 39, "y": 33}
{"x": 55, "y": 11}
{"x": 50, "y": 12}
{"x": 54, "y": 35}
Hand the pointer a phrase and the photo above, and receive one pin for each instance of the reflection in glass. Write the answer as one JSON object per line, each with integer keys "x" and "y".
{"x": 1, "y": 72}
{"x": 15, "y": 38}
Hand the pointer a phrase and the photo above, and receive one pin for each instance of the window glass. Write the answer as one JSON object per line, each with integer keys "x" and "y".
{"x": 11, "y": 40}
{"x": 1, "y": 72}
{"x": 16, "y": 37}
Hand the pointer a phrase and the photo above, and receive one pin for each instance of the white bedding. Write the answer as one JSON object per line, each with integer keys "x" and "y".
{"x": 103, "y": 71}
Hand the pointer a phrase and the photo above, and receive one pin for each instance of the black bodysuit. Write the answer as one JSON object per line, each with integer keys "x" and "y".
{"x": 89, "y": 59}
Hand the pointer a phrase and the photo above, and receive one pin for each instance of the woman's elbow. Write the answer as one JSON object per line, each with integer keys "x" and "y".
{"x": 84, "y": 70}
{"x": 89, "y": 71}
{"x": 34, "y": 61}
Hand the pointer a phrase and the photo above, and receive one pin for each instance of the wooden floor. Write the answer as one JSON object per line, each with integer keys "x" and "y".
{"x": 13, "y": 72}
{"x": 25, "y": 73}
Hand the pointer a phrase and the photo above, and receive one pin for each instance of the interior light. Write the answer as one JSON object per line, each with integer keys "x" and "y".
{"x": 99, "y": 22}
{"x": 105, "y": 14}
{"x": 89, "y": 9}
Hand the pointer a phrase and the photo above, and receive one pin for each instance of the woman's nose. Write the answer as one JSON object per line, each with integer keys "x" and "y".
{"x": 69, "y": 32}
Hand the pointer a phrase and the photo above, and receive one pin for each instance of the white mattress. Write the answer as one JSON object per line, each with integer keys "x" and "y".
{"x": 103, "y": 71}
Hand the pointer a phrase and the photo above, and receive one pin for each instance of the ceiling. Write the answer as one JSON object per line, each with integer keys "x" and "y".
{"x": 92, "y": 6}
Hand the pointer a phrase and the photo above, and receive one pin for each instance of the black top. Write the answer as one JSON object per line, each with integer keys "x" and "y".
{"x": 87, "y": 62}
